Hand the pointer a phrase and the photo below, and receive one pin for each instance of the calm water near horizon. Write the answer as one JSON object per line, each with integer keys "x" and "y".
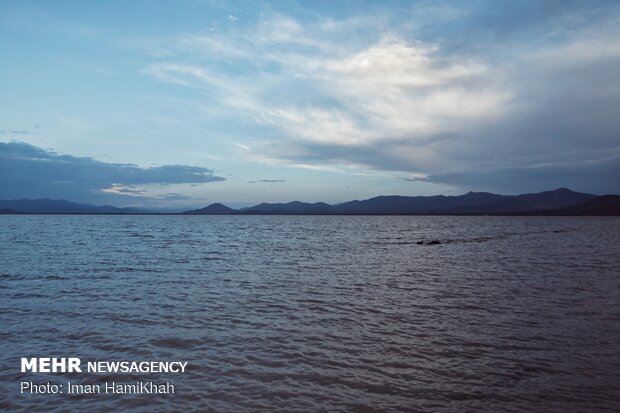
{"x": 318, "y": 313}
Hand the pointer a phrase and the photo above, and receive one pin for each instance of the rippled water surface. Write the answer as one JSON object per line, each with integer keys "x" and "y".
{"x": 277, "y": 313}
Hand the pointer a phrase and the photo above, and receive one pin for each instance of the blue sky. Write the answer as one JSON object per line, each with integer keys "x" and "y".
{"x": 174, "y": 104}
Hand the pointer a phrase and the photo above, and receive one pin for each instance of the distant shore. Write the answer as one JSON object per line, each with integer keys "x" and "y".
{"x": 559, "y": 202}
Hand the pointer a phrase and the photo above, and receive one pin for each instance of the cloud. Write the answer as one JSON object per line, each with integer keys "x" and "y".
{"x": 172, "y": 196}
{"x": 267, "y": 181}
{"x": 16, "y": 132}
{"x": 596, "y": 176}
{"x": 27, "y": 171}
{"x": 121, "y": 189}
{"x": 447, "y": 91}
{"x": 416, "y": 179}
{"x": 392, "y": 90}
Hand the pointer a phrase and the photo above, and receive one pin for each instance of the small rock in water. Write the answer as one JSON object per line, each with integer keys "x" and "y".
{"x": 434, "y": 242}
{"x": 420, "y": 242}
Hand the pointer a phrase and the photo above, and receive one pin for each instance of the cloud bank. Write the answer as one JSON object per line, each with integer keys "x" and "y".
{"x": 476, "y": 95}
{"x": 27, "y": 171}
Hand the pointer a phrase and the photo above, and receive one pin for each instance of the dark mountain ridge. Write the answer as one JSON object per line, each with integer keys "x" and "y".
{"x": 213, "y": 209}
{"x": 295, "y": 207}
{"x": 561, "y": 201}
{"x": 556, "y": 202}
{"x": 605, "y": 205}
{"x": 60, "y": 206}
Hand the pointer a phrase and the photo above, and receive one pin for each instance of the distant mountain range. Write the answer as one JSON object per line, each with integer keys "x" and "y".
{"x": 59, "y": 206}
{"x": 558, "y": 202}
{"x": 562, "y": 201}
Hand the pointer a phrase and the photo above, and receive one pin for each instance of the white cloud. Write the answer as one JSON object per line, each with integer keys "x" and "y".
{"x": 392, "y": 89}
{"x": 396, "y": 62}
{"x": 362, "y": 95}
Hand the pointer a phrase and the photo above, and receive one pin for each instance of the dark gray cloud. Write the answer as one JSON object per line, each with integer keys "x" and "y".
{"x": 415, "y": 179}
{"x": 599, "y": 177}
{"x": 267, "y": 181}
{"x": 27, "y": 171}
{"x": 172, "y": 196}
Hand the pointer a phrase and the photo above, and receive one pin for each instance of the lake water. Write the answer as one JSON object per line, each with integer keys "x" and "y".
{"x": 318, "y": 313}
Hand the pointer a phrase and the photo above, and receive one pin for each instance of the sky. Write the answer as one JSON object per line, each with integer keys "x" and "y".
{"x": 179, "y": 104}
